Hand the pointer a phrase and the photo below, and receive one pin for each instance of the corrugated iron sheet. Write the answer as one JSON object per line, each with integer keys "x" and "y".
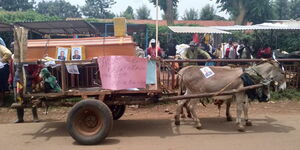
{"x": 5, "y": 27}
{"x": 292, "y": 25}
{"x": 60, "y": 27}
{"x": 189, "y": 29}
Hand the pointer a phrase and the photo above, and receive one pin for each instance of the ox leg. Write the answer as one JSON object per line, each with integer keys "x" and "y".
{"x": 192, "y": 106}
{"x": 228, "y": 115}
{"x": 179, "y": 110}
{"x": 245, "y": 107}
{"x": 185, "y": 105}
{"x": 239, "y": 110}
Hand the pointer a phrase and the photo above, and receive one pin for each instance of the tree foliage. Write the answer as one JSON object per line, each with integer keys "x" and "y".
{"x": 128, "y": 13}
{"x": 16, "y": 5}
{"x": 191, "y": 14}
{"x": 98, "y": 8}
{"x": 168, "y": 6}
{"x": 163, "y": 4}
{"x": 294, "y": 9}
{"x": 11, "y": 17}
{"x": 175, "y": 14}
{"x": 59, "y": 8}
{"x": 282, "y": 9}
{"x": 208, "y": 13}
{"x": 243, "y": 11}
{"x": 143, "y": 13}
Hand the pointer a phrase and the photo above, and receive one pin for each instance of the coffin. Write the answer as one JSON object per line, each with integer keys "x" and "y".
{"x": 93, "y": 47}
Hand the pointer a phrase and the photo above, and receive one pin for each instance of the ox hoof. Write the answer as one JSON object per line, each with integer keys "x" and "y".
{"x": 248, "y": 123}
{"x": 241, "y": 128}
{"x": 177, "y": 123}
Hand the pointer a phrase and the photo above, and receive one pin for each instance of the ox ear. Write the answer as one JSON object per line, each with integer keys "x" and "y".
{"x": 274, "y": 57}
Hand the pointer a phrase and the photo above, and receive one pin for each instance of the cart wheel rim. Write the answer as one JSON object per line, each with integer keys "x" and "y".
{"x": 87, "y": 122}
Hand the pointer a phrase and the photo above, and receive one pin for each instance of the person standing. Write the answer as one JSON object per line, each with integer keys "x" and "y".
{"x": 5, "y": 56}
{"x": 151, "y": 51}
{"x": 194, "y": 52}
{"x": 230, "y": 50}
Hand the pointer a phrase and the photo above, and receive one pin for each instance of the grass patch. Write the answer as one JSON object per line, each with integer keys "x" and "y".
{"x": 289, "y": 94}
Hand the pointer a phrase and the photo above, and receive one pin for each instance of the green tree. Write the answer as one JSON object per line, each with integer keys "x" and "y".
{"x": 98, "y": 8}
{"x": 16, "y": 5}
{"x": 208, "y": 13}
{"x": 243, "y": 11}
{"x": 191, "y": 14}
{"x": 295, "y": 9}
{"x": 143, "y": 13}
{"x": 168, "y": 6}
{"x": 11, "y": 17}
{"x": 282, "y": 9}
{"x": 59, "y": 8}
{"x": 128, "y": 13}
{"x": 175, "y": 15}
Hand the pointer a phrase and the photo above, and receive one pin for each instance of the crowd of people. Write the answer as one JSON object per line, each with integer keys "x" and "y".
{"x": 204, "y": 49}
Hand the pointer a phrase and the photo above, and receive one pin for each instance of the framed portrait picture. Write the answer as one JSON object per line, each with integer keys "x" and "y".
{"x": 77, "y": 53}
{"x": 62, "y": 53}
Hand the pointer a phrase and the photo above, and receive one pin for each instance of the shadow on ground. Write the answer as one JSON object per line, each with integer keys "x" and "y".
{"x": 166, "y": 128}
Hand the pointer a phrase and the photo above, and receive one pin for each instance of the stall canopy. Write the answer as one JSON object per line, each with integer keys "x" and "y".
{"x": 5, "y": 27}
{"x": 274, "y": 25}
{"x": 60, "y": 27}
{"x": 77, "y": 27}
{"x": 190, "y": 29}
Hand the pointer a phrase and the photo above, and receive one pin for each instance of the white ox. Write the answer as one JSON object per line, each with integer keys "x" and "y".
{"x": 226, "y": 78}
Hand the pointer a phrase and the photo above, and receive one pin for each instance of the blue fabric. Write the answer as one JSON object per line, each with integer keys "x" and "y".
{"x": 151, "y": 72}
{"x": 209, "y": 63}
{"x": 2, "y": 42}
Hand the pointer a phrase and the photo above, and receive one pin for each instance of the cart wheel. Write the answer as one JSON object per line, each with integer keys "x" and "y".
{"x": 89, "y": 122}
{"x": 117, "y": 111}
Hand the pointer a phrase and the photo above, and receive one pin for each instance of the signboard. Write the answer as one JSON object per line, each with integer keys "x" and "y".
{"x": 122, "y": 72}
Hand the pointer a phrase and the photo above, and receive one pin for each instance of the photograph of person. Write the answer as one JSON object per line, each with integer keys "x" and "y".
{"x": 62, "y": 53}
{"x": 77, "y": 53}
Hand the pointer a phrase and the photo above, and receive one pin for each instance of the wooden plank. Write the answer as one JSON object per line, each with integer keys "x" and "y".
{"x": 50, "y": 95}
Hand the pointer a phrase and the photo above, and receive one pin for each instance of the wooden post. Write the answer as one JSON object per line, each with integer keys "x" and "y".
{"x": 63, "y": 76}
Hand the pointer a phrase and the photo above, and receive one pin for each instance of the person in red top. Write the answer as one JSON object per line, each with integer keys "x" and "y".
{"x": 151, "y": 51}
{"x": 266, "y": 52}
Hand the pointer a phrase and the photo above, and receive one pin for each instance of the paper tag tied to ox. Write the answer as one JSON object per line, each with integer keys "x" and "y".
{"x": 207, "y": 72}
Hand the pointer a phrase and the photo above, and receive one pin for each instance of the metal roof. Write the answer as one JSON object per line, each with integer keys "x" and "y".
{"x": 286, "y": 25}
{"x": 190, "y": 29}
{"x": 60, "y": 27}
{"x": 5, "y": 27}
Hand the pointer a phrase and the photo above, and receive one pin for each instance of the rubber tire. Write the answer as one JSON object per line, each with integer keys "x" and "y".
{"x": 117, "y": 114}
{"x": 102, "y": 110}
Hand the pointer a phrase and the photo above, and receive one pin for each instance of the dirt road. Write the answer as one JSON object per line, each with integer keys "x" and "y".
{"x": 275, "y": 127}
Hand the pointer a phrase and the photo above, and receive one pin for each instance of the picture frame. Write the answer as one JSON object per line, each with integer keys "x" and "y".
{"x": 77, "y": 53}
{"x": 62, "y": 54}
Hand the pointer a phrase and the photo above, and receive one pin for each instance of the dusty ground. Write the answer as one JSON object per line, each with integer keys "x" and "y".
{"x": 275, "y": 127}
